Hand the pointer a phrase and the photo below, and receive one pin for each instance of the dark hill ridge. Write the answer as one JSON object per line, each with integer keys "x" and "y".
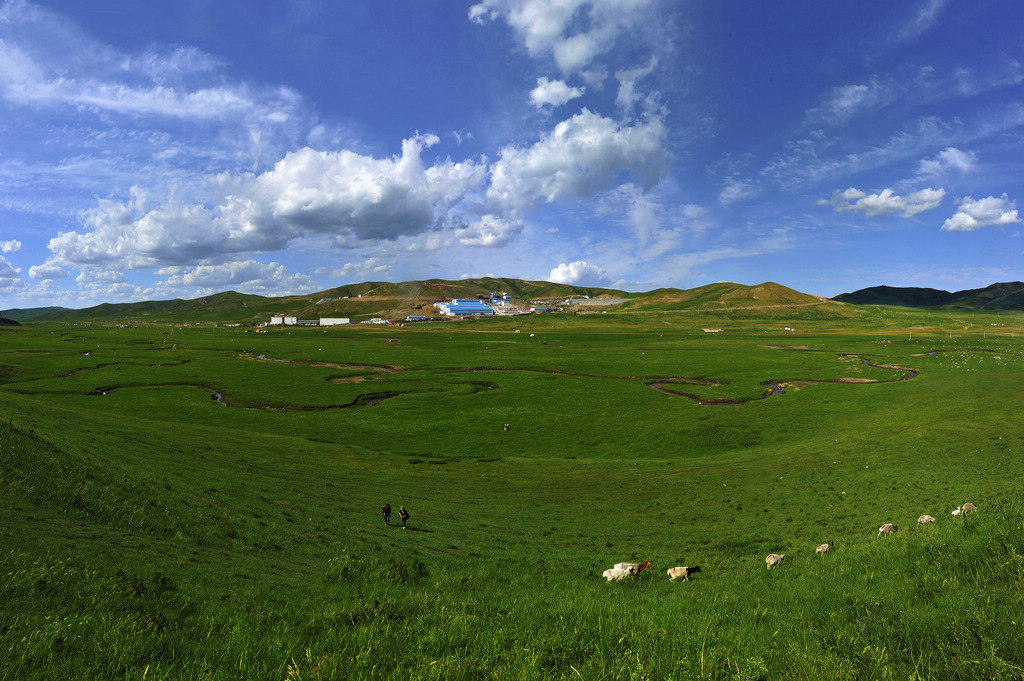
{"x": 1003, "y": 296}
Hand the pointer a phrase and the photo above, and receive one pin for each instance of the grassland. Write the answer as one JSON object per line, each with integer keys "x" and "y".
{"x": 198, "y": 502}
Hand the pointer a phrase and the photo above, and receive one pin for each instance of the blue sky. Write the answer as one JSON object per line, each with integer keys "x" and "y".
{"x": 156, "y": 150}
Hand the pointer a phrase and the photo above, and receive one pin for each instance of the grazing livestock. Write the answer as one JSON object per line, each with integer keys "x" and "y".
{"x": 773, "y": 559}
{"x": 637, "y": 568}
{"x": 957, "y": 511}
{"x": 969, "y": 507}
{"x": 615, "y": 574}
{"x": 887, "y": 529}
{"x": 824, "y": 548}
{"x": 925, "y": 519}
{"x": 675, "y": 573}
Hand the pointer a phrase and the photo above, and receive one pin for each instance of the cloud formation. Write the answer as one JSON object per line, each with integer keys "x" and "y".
{"x": 572, "y": 32}
{"x": 973, "y": 214}
{"x": 553, "y": 93}
{"x": 353, "y": 199}
{"x": 885, "y": 202}
{"x": 580, "y": 273}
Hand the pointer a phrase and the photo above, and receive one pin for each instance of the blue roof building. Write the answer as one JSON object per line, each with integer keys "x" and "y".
{"x": 464, "y": 307}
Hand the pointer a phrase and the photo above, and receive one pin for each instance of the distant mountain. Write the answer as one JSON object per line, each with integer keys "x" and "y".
{"x": 1004, "y": 296}
{"x": 4, "y": 321}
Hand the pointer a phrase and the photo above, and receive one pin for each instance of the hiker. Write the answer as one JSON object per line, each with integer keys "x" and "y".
{"x": 386, "y": 512}
{"x": 404, "y": 515}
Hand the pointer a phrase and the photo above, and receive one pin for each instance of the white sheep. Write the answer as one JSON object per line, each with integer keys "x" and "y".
{"x": 823, "y": 548}
{"x": 773, "y": 559}
{"x": 635, "y": 568}
{"x": 615, "y": 574}
{"x": 887, "y": 529}
{"x": 925, "y": 519}
{"x": 675, "y": 573}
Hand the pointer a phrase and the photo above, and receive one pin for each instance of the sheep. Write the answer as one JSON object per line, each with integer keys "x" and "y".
{"x": 636, "y": 567}
{"x": 773, "y": 559}
{"x": 823, "y": 548}
{"x": 887, "y": 529}
{"x": 969, "y": 507}
{"x": 957, "y": 511}
{"x": 925, "y": 519}
{"x": 616, "y": 574}
{"x": 675, "y": 573}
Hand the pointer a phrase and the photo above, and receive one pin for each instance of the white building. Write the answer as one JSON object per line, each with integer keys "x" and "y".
{"x": 334, "y": 321}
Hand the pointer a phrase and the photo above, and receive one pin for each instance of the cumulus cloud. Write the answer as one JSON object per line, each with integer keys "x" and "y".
{"x": 886, "y": 202}
{"x": 352, "y": 199}
{"x": 573, "y": 32}
{"x": 553, "y": 93}
{"x": 308, "y": 192}
{"x": 46, "y": 271}
{"x": 582, "y": 156}
{"x": 580, "y": 273}
{"x": 371, "y": 268}
{"x": 988, "y": 212}
{"x": 351, "y": 195}
{"x": 11, "y": 285}
{"x": 12, "y": 246}
{"x": 248, "y": 276}
{"x": 7, "y": 270}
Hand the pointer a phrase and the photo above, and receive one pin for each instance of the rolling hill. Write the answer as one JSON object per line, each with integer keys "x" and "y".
{"x": 397, "y": 300}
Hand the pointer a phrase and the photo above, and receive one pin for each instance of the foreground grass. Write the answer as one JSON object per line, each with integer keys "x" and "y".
{"x": 153, "y": 532}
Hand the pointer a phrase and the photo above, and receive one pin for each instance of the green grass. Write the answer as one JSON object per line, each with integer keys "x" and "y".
{"x": 155, "y": 532}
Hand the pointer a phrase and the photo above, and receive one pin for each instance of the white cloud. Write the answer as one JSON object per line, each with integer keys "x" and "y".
{"x": 580, "y": 273}
{"x": 7, "y": 270}
{"x": 573, "y": 32}
{"x": 343, "y": 194}
{"x": 11, "y": 285}
{"x": 846, "y": 101}
{"x": 582, "y": 156}
{"x": 12, "y": 246}
{"x": 734, "y": 190}
{"x": 628, "y": 78}
{"x": 886, "y": 202}
{"x": 949, "y": 159}
{"x": 247, "y": 276}
{"x": 553, "y": 93}
{"x": 46, "y": 271}
{"x": 350, "y": 199}
{"x": 926, "y": 14}
{"x": 351, "y": 196}
{"x": 988, "y": 212}
{"x": 371, "y": 268}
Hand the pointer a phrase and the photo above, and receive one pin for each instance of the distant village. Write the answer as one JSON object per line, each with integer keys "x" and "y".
{"x": 497, "y": 304}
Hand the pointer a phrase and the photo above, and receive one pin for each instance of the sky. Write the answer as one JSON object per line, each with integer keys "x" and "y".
{"x": 158, "y": 150}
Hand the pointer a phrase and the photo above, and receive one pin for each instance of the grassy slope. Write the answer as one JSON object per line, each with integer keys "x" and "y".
{"x": 131, "y": 538}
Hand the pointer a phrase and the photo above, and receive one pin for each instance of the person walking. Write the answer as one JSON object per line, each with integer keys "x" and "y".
{"x": 386, "y": 512}
{"x": 404, "y": 515}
